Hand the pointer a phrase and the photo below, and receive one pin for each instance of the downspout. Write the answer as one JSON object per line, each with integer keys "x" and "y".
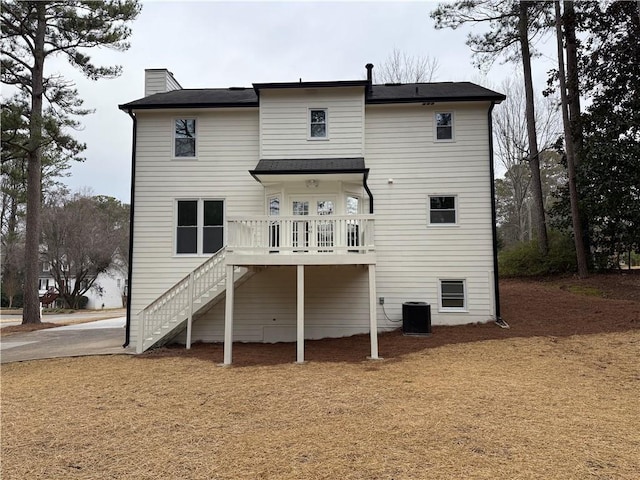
{"x": 127, "y": 336}
{"x": 496, "y": 287}
{"x": 366, "y": 188}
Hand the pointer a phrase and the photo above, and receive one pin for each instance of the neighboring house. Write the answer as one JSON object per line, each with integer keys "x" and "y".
{"x": 285, "y": 211}
{"x": 108, "y": 291}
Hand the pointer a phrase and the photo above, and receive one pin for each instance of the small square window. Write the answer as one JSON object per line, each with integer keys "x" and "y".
{"x": 452, "y": 295}
{"x": 318, "y": 123}
{"x": 444, "y": 126}
{"x": 442, "y": 210}
{"x": 185, "y": 137}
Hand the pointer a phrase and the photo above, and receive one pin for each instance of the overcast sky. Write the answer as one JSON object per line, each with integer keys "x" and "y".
{"x": 223, "y": 44}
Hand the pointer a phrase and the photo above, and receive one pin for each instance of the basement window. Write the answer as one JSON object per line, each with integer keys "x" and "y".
{"x": 453, "y": 295}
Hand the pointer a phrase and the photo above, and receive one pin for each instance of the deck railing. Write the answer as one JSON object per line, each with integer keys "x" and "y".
{"x": 298, "y": 234}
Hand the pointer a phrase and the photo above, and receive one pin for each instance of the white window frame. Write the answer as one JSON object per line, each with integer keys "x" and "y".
{"x": 456, "y": 210}
{"x": 46, "y": 266}
{"x": 443, "y": 309}
{"x": 173, "y": 138}
{"x": 453, "y": 127}
{"x": 326, "y": 124}
{"x": 199, "y": 226}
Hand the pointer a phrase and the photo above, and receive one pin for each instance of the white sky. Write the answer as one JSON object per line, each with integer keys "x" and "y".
{"x": 223, "y": 44}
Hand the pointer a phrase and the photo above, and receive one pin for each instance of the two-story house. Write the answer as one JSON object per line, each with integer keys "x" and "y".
{"x": 304, "y": 210}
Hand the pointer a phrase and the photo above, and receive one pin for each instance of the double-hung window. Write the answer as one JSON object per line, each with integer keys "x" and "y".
{"x": 444, "y": 126}
{"x": 199, "y": 226}
{"x": 184, "y": 138}
{"x": 453, "y": 296}
{"x": 442, "y": 210}
{"x": 318, "y": 123}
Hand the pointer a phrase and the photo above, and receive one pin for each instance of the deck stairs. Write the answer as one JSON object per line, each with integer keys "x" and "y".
{"x": 195, "y": 294}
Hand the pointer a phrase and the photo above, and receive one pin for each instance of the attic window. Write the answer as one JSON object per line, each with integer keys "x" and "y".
{"x": 318, "y": 123}
{"x": 184, "y": 143}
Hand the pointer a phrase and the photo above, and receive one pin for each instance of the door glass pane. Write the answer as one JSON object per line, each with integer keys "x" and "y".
{"x": 300, "y": 207}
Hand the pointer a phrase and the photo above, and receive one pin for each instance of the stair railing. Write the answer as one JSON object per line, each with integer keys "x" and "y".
{"x": 177, "y": 303}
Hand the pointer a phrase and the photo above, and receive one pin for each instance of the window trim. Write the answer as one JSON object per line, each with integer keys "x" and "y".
{"x": 199, "y": 225}
{"x": 173, "y": 138}
{"x": 326, "y": 124}
{"x": 463, "y": 309}
{"x": 456, "y": 210}
{"x": 453, "y": 127}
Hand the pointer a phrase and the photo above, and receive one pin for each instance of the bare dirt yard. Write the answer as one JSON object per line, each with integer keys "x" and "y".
{"x": 554, "y": 397}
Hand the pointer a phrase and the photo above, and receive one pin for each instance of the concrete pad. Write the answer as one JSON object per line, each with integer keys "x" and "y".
{"x": 63, "y": 342}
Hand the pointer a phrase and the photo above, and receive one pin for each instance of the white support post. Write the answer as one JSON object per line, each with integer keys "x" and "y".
{"x": 228, "y": 317}
{"x": 373, "y": 313}
{"x": 140, "y": 342}
{"x": 300, "y": 315}
{"x": 190, "y": 317}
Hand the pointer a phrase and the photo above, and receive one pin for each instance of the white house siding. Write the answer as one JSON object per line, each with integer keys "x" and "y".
{"x": 227, "y": 146}
{"x": 109, "y": 295}
{"x": 412, "y": 255}
{"x": 284, "y": 125}
{"x": 336, "y": 305}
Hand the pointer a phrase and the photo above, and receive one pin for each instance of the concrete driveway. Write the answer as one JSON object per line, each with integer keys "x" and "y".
{"x": 101, "y": 337}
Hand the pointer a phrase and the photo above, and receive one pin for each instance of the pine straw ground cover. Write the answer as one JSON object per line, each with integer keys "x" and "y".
{"x": 547, "y": 406}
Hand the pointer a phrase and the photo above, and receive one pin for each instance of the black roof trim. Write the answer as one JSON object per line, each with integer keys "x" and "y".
{"x": 158, "y": 106}
{"x": 316, "y": 166}
{"x": 380, "y": 101}
{"x": 331, "y": 84}
{"x": 236, "y": 97}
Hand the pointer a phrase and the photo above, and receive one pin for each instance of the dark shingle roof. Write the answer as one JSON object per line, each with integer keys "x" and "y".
{"x": 314, "y": 165}
{"x": 197, "y": 98}
{"x": 247, "y": 97}
{"x": 431, "y": 92}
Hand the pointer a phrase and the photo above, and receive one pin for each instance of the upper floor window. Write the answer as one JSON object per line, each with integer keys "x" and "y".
{"x": 444, "y": 126}
{"x": 200, "y": 226}
{"x": 184, "y": 137}
{"x": 318, "y": 126}
{"x": 442, "y": 210}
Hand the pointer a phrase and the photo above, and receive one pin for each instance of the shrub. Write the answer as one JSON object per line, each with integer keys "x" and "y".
{"x": 525, "y": 259}
{"x": 82, "y": 302}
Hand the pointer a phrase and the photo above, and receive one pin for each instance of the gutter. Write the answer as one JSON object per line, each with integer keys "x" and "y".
{"x": 494, "y": 229}
{"x": 127, "y": 336}
{"x": 366, "y": 187}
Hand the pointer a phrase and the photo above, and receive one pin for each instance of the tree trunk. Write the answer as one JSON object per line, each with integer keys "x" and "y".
{"x": 570, "y": 138}
{"x": 534, "y": 159}
{"x": 31, "y": 311}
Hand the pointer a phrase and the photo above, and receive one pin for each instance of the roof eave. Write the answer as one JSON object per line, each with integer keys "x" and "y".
{"x": 379, "y": 101}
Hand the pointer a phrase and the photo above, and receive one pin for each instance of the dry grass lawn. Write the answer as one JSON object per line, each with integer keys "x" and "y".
{"x": 517, "y": 408}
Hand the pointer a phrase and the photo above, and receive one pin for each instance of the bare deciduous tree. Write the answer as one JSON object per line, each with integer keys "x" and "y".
{"x": 399, "y": 67}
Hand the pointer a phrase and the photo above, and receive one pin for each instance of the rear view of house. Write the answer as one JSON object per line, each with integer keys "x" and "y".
{"x": 292, "y": 211}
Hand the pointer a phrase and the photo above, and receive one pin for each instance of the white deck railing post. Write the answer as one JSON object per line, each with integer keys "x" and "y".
{"x": 190, "y": 318}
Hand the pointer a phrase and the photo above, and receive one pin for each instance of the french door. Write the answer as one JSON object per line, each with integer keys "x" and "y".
{"x": 316, "y": 234}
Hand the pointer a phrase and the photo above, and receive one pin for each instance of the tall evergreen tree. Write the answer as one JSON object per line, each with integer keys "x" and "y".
{"x": 513, "y": 25}
{"x": 609, "y": 173}
{"x": 34, "y": 32}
